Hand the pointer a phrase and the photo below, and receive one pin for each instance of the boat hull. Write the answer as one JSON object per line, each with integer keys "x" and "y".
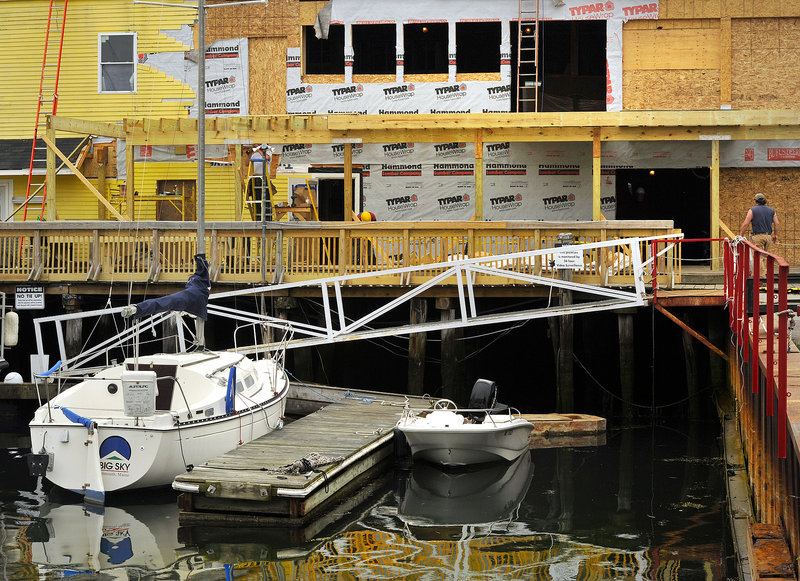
{"x": 145, "y": 457}
{"x": 468, "y": 443}
{"x": 114, "y": 452}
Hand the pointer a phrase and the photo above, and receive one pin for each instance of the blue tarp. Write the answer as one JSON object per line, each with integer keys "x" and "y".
{"x": 193, "y": 299}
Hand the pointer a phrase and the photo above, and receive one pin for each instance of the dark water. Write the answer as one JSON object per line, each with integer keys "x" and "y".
{"x": 649, "y": 504}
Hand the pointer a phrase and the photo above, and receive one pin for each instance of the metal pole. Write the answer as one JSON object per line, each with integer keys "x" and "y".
{"x": 201, "y": 127}
{"x": 264, "y": 194}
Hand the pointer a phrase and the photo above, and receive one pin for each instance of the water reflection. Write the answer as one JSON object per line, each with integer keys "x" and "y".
{"x": 85, "y": 538}
{"x": 648, "y": 505}
{"x": 486, "y": 494}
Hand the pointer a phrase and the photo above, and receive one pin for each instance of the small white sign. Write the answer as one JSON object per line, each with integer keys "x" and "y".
{"x": 139, "y": 393}
{"x": 569, "y": 258}
{"x": 29, "y": 297}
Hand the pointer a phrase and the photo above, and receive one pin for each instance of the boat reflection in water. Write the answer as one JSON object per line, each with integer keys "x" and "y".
{"x": 79, "y": 538}
{"x": 481, "y": 494}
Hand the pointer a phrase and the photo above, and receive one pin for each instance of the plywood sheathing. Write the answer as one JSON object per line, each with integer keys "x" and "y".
{"x": 271, "y": 79}
{"x": 780, "y": 186}
{"x": 671, "y": 64}
{"x": 270, "y": 30}
{"x": 238, "y": 21}
{"x": 764, "y": 57}
{"x": 732, "y": 8}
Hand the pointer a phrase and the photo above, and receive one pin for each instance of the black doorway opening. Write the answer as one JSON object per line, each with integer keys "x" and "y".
{"x": 681, "y": 195}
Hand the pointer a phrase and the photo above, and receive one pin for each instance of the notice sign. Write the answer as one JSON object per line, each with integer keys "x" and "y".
{"x": 29, "y": 297}
{"x": 569, "y": 258}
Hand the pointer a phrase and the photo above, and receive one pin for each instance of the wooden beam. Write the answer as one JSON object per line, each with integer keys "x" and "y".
{"x": 130, "y": 174}
{"x": 596, "y": 175}
{"x": 83, "y": 179}
{"x": 348, "y": 181}
{"x": 714, "y": 202}
{"x": 51, "y": 191}
{"x": 725, "y": 56}
{"x": 479, "y": 175}
{"x": 102, "y": 162}
{"x": 237, "y": 181}
{"x": 83, "y": 127}
{"x": 689, "y": 330}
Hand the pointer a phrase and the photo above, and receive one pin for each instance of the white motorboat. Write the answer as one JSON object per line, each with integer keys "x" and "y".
{"x": 452, "y": 436}
{"x": 140, "y": 423}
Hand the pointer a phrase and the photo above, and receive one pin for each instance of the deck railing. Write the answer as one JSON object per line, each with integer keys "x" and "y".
{"x": 244, "y": 252}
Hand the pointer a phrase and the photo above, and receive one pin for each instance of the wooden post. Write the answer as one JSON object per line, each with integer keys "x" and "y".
{"x": 627, "y": 368}
{"x": 690, "y": 358}
{"x": 597, "y": 174}
{"x": 101, "y": 156}
{"x": 565, "y": 485}
{"x": 237, "y": 182}
{"x": 348, "y": 182}
{"x": 49, "y": 213}
{"x": 417, "y": 343}
{"x": 73, "y": 328}
{"x": 715, "y": 204}
{"x": 169, "y": 335}
{"x": 725, "y": 45}
{"x": 451, "y": 388}
{"x": 565, "y": 375}
{"x": 717, "y": 332}
{"x": 479, "y": 174}
{"x": 129, "y": 183}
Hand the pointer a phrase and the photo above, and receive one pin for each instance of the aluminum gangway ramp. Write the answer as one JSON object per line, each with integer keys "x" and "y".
{"x": 548, "y": 268}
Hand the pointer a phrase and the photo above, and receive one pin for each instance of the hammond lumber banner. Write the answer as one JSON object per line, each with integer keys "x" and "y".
{"x": 227, "y": 70}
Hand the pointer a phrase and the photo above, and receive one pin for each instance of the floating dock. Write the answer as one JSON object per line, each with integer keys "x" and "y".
{"x": 252, "y": 484}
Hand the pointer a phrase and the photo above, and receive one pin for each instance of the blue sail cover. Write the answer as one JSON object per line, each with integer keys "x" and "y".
{"x": 193, "y": 299}
{"x": 76, "y": 418}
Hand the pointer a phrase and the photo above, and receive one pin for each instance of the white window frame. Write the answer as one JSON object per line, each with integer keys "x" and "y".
{"x": 6, "y": 200}
{"x": 100, "y": 62}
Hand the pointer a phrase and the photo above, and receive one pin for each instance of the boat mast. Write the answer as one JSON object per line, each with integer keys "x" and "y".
{"x": 201, "y": 148}
{"x": 201, "y": 127}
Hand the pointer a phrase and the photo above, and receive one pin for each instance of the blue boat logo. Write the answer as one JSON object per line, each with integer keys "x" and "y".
{"x": 115, "y": 455}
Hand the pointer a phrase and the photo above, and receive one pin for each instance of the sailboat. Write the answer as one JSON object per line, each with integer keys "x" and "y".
{"x": 139, "y": 423}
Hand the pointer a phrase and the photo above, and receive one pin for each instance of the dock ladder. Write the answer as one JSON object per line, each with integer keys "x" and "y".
{"x": 48, "y": 95}
{"x": 528, "y": 56}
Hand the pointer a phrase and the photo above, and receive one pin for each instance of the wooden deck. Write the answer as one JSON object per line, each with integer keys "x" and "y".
{"x": 249, "y": 480}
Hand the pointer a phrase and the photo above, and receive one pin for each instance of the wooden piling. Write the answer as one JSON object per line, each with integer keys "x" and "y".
{"x": 73, "y": 328}
{"x": 565, "y": 374}
{"x": 450, "y": 388}
{"x": 690, "y": 362}
{"x": 627, "y": 369}
{"x": 169, "y": 335}
{"x": 417, "y": 344}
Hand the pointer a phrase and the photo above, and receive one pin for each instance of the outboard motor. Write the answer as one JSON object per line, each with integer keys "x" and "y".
{"x": 483, "y": 396}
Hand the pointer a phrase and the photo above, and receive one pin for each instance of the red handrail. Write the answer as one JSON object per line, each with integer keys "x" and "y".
{"x": 738, "y": 255}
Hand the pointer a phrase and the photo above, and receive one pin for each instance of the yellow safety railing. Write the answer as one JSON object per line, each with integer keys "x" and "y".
{"x": 163, "y": 251}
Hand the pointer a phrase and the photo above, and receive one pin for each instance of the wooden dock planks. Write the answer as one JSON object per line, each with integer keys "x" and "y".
{"x": 250, "y": 478}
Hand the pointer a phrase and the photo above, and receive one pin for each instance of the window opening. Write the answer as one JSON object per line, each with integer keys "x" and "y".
{"x": 374, "y": 49}
{"x": 572, "y": 65}
{"x": 478, "y": 47}
{"x": 176, "y": 200}
{"x": 425, "y": 46}
{"x": 324, "y": 56}
{"x": 117, "y": 63}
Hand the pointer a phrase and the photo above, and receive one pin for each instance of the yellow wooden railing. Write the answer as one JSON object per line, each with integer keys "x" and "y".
{"x": 163, "y": 251}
